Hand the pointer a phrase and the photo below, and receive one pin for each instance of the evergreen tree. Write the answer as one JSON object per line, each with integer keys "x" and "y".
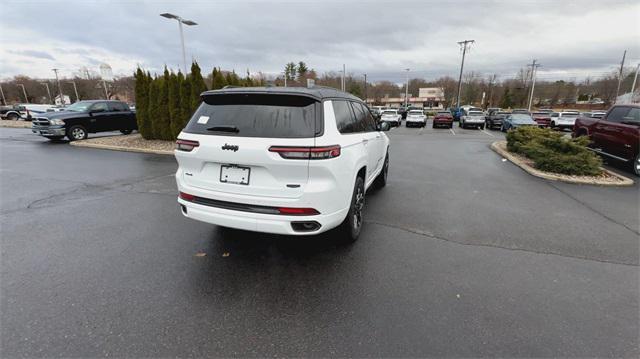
{"x": 142, "y": 101}
{"x": 507, "y": 99}
{"x": 290, "y": 70}
{"x": 248, "y": 81}
{"x": 163, "y": 122}
{"x": 219, "y": 81}
{"x": 197, "y": 86}
{"x": 174, "y": 105}
{"x": 302, "y": 71}
{"x": 153, "y": 113}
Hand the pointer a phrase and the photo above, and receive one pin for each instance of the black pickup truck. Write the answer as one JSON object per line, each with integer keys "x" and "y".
{"x": 83, "y": 117}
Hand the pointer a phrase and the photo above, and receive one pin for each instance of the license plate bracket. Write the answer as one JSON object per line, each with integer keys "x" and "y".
{"x": 235, "y": 174}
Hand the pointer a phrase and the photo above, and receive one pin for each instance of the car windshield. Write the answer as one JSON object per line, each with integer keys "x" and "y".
{"x": 570, "y": 114}
{"x": 82, "y": 106}
{"x": 389, "y": 113}
{"x": 540, "y": 114}
{"x": 475, "y": 113}
{"x": 414, "y": 113}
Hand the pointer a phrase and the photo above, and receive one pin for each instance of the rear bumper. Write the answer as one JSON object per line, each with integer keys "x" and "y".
{"x": 258, "y": 222}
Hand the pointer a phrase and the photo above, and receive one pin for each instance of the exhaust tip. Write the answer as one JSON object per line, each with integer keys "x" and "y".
{"x": 305, "y": 226}
{"x": 184, "y": 209}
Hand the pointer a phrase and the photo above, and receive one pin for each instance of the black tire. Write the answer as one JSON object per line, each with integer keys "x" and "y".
{"x": 462, "y": 125}
{"x": 126, "y": 132}
{"x": 13, "y": 117}
{"x": 352, "y": 224}
{"x": 77, "y": 132}
{"x": 636, "y": 165}
{"x": 482, "y": 127}
{"x": 552, "y": 125}
{"x": 381, "y": 180}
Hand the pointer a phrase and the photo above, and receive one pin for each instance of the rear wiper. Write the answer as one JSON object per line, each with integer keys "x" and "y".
{"x": 228, "y": 128}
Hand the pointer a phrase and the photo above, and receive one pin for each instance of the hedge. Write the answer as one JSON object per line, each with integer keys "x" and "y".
{"x": 551, "y": 151}
{"x": 164, "y": 104}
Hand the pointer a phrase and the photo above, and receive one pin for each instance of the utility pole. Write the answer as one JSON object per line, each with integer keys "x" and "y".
{"x": 59, "y": 87}
{"x": 365, "y": 87}
{"x": 26, "y": 99}
{"x": 534, "y": 69}
{"x": 633, "y": 87}
{"x": 4, "y": 100}
{"x": 344, "y": 76}
{"x": 406, "y": 90}
{"x": 620, "y": 75}
{"x": 464, "y": 52}
{"x": 46, "y": 84}
{"x": 75, "y": 89}
{"x": 491, "y": 79}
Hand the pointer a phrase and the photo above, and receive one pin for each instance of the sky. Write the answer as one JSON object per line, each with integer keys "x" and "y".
{"x": 571, "y": 39}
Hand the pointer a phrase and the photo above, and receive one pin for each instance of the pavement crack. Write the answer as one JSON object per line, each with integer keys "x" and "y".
{"x": 586, "y": 205}
{"x": 440, "y": 238}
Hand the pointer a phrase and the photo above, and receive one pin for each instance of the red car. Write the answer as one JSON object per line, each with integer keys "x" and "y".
{"x": 542, "y": 118}
{"x": 443, "y": 119}
{"x": 616, "y": 135}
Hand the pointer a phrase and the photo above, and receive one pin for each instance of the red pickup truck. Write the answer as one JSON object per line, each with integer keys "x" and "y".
{"x": 616, "y": 135}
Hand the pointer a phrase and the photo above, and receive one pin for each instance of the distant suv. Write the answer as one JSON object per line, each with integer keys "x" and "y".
{"x": 616, "y": 135}
{"x": 84, "y": 117}
{"x": 294, "y": 161}
{"x": 443, "y": 118}
{"x": 495, "y": 117}
{"x": 564, "y": 119}
{"x": 392, "y": 117}
{"x": 472, "y": 119}
{"x": 416, "y": 118}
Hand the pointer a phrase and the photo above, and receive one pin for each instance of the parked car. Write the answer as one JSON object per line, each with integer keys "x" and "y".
{"x": 521, "y": 110}
{"x": 472, "y": 119}
{"x": 294, "y": 161}
{"x": 416, "y": 118}
{"x": 542, "y": 118}
{"x": 14, "y": 112}
{"x": 545, "y": 110}
{"x": 491, "y": 109}
{"x": 84, "y": 117}
{"x": 596, "y": 114}
{"x": 494, "y": 118}
{"x": 564, "y": 119}
{"x": 616, "y": 135}
{"x": 443, "y": 118}
{"x": 515, "y": 120}
{"x": 391, "y": 117}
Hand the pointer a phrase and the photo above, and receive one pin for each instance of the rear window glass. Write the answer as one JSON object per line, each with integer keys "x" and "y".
{"x": 256, "y": 115}
{"x": 475, "y": 113}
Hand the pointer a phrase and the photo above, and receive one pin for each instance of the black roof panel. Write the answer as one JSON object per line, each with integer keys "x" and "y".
{"x": 317, "y": 92}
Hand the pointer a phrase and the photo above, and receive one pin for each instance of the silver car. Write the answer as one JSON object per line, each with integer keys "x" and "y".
{"x": 473, "y": 119}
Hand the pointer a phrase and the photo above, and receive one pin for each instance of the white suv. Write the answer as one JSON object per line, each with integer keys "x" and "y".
{"x": 293, "y": 161}
{"x": 416, "y": 118}
{"x": 564, "y": 119}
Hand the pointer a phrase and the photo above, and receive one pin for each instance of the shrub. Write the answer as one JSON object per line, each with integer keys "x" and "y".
{"x": 552, "y": 152}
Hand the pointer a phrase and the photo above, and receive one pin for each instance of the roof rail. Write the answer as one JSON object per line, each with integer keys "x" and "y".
{"x": 232, "y": 87}
{"x": 325, "y": 87}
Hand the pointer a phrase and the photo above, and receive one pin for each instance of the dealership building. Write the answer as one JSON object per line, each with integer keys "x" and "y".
{"x": 428, "y": 97}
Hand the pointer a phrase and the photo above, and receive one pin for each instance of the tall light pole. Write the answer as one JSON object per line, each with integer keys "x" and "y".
{"x": 464, "y": 52}
{"x": 75, "y": 89}
{"x": 620, "y": 75}
{"x": 344, "y": 77}
{"x": 365, "y": 88}
{"x": 534, "y": 70}
{"x": 4, "y": 100}
{"x": 46, "y": 84}
{"x": 59, "y": 87}
{"x": 406, "y": 90}
{"x": 180, "y": 22}
{"x": 24, "y": 92}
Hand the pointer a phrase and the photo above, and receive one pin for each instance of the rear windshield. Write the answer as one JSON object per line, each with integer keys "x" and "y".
{"x": 389, "y": 113}
{"x": 415, "y": 112}
{"x": 256, "y": 115}
{"x": 475, "y": 113}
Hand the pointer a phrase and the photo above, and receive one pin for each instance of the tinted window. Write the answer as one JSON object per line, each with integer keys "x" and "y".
{"x": 361, "y": 117}
{"x": 617, "y": 113}
{"x": 370, "y": 122}
{"x": 117, "y": 106}
{"x": 345, "y": 120}
{"x": 255, "y": 115}
{"x": 99, "y": 106}
{"x": 633, "y": 115}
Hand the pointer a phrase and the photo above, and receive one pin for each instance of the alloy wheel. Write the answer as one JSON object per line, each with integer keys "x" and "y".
{"x": 358, "y": 206}
{"x": 78, "y": 133}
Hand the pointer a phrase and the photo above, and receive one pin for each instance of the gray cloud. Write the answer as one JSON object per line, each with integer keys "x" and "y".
{"x": 33, "y": 53}
{"x": 379, "y": 38}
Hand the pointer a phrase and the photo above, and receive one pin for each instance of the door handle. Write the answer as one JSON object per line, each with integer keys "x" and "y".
{"x": 365, "y": 141}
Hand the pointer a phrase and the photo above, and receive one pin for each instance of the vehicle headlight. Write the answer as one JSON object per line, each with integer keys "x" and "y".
{"x": 56, "y": 122}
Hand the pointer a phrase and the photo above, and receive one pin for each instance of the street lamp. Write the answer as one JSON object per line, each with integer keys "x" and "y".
{"x": 180, "y": 22}
{"x": 406, "y": 91}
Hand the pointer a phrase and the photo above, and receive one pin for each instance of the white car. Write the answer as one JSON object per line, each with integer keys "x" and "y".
{"x": 293, "y": 161}
{"x": 392, "y": 117}
{"x": 564, "y": 119}
{"x": 416, "y": 118}
{"x": 473, "y": 119}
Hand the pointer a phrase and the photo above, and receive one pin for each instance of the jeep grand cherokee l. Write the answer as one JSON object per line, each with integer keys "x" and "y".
{"x": 293, "y": 161}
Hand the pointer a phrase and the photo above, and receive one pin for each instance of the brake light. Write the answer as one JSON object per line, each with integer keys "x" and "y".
{"x": 298, "y": 211}
{"x": 186, "y": 145}
{"x": 186, "y": 196}
{"x": 307, "y": 153}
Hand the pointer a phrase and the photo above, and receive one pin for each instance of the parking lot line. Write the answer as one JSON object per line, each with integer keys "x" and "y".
{"x": 452, "y": 131}
{"x": 488, "y": 133}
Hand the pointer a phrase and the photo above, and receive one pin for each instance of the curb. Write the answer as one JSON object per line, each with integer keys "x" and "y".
{"x": 119, "y": 148}
{"x": 15, "y": 124}
{"x": 497, "y": 146}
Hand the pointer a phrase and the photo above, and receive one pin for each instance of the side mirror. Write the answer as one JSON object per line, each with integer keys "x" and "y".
{"x": 384, "y": 126}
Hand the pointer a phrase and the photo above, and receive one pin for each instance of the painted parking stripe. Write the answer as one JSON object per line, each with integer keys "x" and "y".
{"x": 452, "y": 131}
{"x": 488, "y": 133}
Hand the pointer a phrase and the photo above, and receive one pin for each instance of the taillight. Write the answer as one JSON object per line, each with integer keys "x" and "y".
{"x": 186, "y": 196}
{"x": 297, "y": 211}
{"x": 306, "y": 153}
{"x": 186, "y": 145}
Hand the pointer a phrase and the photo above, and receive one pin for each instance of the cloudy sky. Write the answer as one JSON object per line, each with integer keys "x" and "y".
{"x": 571, "y": 39}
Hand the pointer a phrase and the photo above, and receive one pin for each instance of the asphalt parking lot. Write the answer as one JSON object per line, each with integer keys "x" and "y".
{"x": 462, "y": 254}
